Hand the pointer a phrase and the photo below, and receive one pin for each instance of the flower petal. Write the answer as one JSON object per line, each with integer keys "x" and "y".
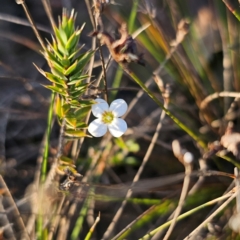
{"x": 118, "y": 127}
{"x": 118, "y": 107}
{"x": 99, "y": 107}
{"x": 97, "y": 128}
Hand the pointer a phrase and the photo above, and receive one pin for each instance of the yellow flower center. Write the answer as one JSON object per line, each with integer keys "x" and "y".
{"x": 107, "y": 117}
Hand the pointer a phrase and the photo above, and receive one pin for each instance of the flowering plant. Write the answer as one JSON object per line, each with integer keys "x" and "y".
{"x": 108, "y": 118}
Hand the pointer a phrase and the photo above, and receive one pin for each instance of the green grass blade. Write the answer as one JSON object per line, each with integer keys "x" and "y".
{"x": 133, "y": 16}
{"x": 82, "y": 215}
{"x": 46, "y": 148}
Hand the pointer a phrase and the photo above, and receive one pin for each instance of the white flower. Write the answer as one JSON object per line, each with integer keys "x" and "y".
{"x": 108, "y": 118}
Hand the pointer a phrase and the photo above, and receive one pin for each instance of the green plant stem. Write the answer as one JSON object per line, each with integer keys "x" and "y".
{"x": 46, "y": 148}
{"x": 233, "y": 6}
{"x": 82, "y": 215}
{"x": 88, "y": 237}
{"x": 176, "y": 120}
{"x": 44, "y": 165}
{"x": 184, "y": 215}
{"x": 116, "y": 82}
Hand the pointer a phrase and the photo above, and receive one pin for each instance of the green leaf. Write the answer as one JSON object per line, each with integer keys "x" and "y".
{"x": 78, "y": 80}
{"x": 75, "y": 103}
{"x": 57, "y": 73}
{"x": 62, "y": 49}
{"x": 40, "y": 70}
{"x": 85, "y": 103}
{"x": 82, "y": 125}
{"x": 76, "y": 133}
{"x": 55, "y": 49}
{"x": 74, "y": 53}
{"x": 56, "y": 89}
{"x": 51, "y": 77}
{"x": 68, "y": 71}
{"x": 65, "y": 62}
{"x": 64, "y": 22}
{"x": 60, "y": 42}
{"x": 52, "y": 58}
{"x": 132, "y": 161}
{"x": 76, "y": 75}
{"x": 71, "y": 120}
{"x": 62, "y": 168}
{"x": 120, "y": 143}
{"x": 54, "y": 79}
{"x": 77, "y": 94}
{"x": 65, "y": 108}
{"x": 82, "y": 112}
{"x": 63, "y": 35}
{"x": 59, "y": 107}
{"x": 132, "y": 146}
{"x": 66, "y": 160}
{"x": 72, "y": 42}
{"x": 81, "y": 87}
{"x": 57, "y": 66}
{"x": 83, "y": 60}
{"x": 71, "y": 21}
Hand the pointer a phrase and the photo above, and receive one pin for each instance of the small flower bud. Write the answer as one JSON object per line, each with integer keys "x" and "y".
{"x": 188, "y": 158}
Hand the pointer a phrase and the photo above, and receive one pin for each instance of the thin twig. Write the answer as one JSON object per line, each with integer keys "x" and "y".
{"x": 48, "y": 10}
{"x": 93, "y": 227}
{"x": 237, "y": 182}
{"x": 56, "y": 219}
{"x": 90, "y": 68}
{"x": 198, "y": 184}
{"x": 23, "y": 22}
{"x": 33, "y": 25}
{"x": 217, "y": 95}
{"x": 6, "y": 228}
{"x": 129, "y": 226}
{"x": 15, "y": 211}
{"x": 188, "y": 170}
{"x": 227, "y": 60}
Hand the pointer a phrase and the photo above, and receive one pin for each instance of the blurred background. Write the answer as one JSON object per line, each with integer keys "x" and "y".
{"x": 205, "y": 61}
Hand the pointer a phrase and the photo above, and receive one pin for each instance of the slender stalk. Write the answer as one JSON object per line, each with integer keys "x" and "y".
{"x": 233, "y": 6}
{"x": 46, "y": 148}
{"x": 30, "y": 19}
{"x": 88, "y": 237}
{"x": 15, "y": 211}
{"x": 48, "y": 10}
{"x": 133, "y": 16}
{"x": 188, "y": 170}
{"x": 82, "y": 215}
{"x": 44, "y": 163}
{"x": 213, "y": 96}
